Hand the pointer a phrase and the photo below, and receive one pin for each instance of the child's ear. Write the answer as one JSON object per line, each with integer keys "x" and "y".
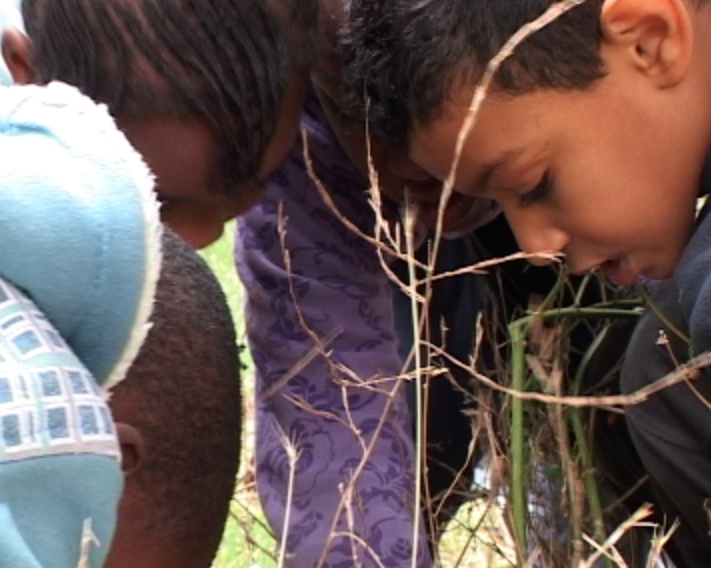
{"x": 17, "y": 52}
{"x": 133, "y": 449}
{"x": 654, "y": 36}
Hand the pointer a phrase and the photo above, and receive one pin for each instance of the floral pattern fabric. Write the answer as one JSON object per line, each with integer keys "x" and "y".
{"x": 321, "y": 332}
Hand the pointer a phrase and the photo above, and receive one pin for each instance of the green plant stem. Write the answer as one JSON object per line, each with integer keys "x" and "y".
{"x": 584, "y": 313}
{"x": 549, "y": 301}
{"x": 581, "y": 289}
{"x": 591, "y": 489}
{"x": 572, "y": 473}
{"x": 584, "y": 450}
{"x": 517, "y": 332}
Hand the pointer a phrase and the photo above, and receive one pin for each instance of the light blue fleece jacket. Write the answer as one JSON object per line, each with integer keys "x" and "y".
{"x": 79, "y": 262}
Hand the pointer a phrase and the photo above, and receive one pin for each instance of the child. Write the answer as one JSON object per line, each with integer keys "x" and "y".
{"x": 338, "y": 282}
{"x": 199, "y": 88}
{"x": 79, "y": 239}
{"x": 184, "y": 128}
{"x": 178, "y": 419}
{"x": 593, "y": 141}
{"x": 59, "y": 472}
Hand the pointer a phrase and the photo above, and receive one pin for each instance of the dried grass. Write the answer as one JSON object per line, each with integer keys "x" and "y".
{"x": 541, "y": 503}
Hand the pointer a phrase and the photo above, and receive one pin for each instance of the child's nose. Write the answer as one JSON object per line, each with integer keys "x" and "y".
{"x": 536, "y": 236}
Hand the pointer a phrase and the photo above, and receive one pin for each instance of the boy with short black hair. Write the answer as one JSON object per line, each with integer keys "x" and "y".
{"x": 612, "y": 71}
{"x": 178, "y": 415}
{"x": 593, "y": 139}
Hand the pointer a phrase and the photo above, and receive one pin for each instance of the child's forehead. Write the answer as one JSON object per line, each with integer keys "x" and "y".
{"x": 497, "y": 125}
{"x": 510, "y": 134}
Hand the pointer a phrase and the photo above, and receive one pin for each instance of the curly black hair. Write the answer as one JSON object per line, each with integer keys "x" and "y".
{"x": 183, "y": 394}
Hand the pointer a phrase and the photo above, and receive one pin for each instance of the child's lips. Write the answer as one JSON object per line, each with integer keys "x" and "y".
{"x": 619, "y": 272}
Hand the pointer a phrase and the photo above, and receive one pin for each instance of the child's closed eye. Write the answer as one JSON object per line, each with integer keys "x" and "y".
{"x": 538, "y": 193}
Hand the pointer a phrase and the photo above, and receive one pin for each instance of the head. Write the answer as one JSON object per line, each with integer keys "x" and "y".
{"x": 593, "y": 137}
{"x": 314, "y": 28}
{"x": 178, "y": 419}
{"x": 199, "y": 88}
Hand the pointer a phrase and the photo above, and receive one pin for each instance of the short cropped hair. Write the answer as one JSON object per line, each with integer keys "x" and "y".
{"x": 407, "y": 56}
{"x": 223, "y": 61}
{"x": 183, "y": 394}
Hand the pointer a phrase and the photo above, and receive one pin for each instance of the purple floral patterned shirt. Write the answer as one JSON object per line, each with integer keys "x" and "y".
{"x": 340, "y": 292}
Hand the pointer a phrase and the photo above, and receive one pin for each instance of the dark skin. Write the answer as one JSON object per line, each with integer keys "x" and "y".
{"x": 131, "y": 547}
{"x": 127, "y": 549}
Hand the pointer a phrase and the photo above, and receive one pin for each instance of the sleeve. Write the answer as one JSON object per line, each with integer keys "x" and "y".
{"x": 60, "y": 474}
{"x": 344, "y": 413}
